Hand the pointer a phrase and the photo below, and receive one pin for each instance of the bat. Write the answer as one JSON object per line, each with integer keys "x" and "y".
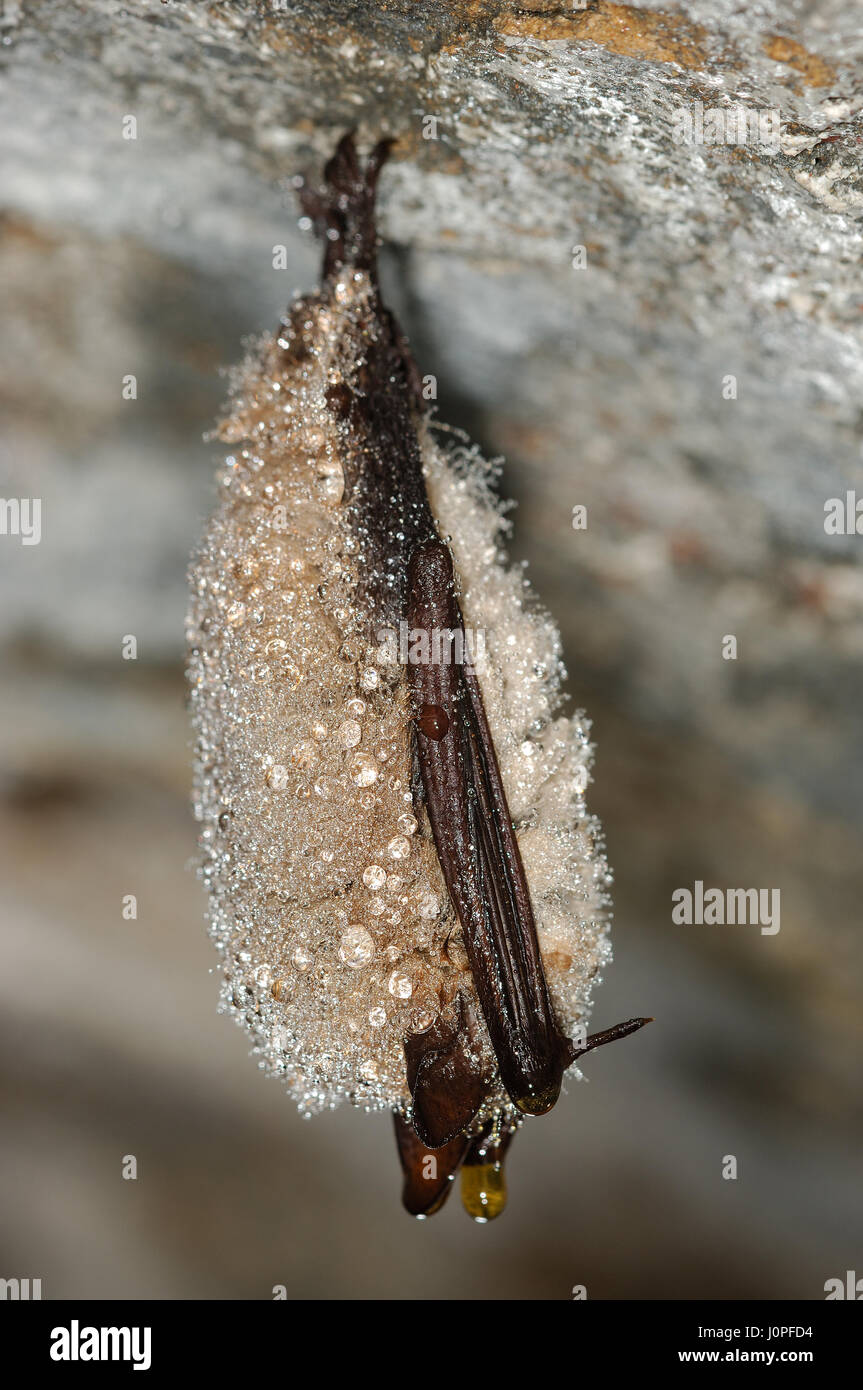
{"x": 337, "y": 432}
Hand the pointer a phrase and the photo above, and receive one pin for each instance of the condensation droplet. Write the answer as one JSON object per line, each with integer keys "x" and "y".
{"x": 421, "y": 1018}
{"x": 363, "y": 770}
{"x": 356, "y": 947}
{"x": 303, "y": 754}
{"x": 329, "y": 480}
{"x": 301, "y": 959}
{"x": 349, "y": 733}
{"x": 399, "y": 985}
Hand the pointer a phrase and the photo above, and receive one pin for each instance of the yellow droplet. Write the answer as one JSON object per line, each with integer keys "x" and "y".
{"x": 483, "y": 1190}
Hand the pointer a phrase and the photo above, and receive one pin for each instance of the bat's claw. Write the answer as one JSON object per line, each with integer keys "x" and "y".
{"x": 620, "y": 1030}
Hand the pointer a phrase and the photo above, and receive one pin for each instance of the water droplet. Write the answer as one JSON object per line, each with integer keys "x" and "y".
{"x": 356, "y": 947}
{"x": 374, "y": 877}
{"x": 303, "y": 754}
{"x": 363, "y": 770}
{"x": 483, "y": 1190}
{"x": 329, "y": 480}
{"x": 349, "y": 733}
{"x": 399, "y": 985}
{"x": 421, "y": 1017}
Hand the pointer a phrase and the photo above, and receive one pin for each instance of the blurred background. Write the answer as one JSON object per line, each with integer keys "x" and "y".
{"x": 696, "y": 386}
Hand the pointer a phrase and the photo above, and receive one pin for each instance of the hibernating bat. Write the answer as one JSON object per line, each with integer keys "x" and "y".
{"x": 408, "y": 893}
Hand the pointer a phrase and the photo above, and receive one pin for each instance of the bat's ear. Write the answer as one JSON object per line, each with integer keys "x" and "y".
{"x": 446, "y": 1085}
{"x": 428, "y": 1174}
{"x": 343, "y": 211}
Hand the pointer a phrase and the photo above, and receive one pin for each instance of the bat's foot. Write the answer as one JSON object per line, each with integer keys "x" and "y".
{"x": 343, "y": 211}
